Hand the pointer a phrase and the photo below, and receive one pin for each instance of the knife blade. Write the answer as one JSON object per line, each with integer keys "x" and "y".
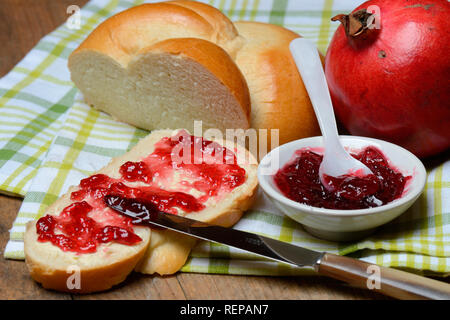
{"x": 391, "y": 282}
{"x": 144, "y": 213}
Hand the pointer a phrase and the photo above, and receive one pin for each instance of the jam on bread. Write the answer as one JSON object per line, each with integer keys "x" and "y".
{"x": 180, "y": 175}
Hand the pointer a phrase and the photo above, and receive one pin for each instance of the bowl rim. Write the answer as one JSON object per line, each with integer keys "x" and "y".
{"x": 411, "y": 196}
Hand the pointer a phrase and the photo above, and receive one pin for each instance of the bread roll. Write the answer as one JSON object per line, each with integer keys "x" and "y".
{"x": 165, "y": 65}
{"x": 160, "y": 251}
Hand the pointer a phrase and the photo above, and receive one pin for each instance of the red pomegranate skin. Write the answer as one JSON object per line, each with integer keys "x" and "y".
{"x": 394, "y": 83}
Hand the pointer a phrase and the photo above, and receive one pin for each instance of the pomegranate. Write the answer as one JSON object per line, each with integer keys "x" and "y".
{"x": 388, "y": 70}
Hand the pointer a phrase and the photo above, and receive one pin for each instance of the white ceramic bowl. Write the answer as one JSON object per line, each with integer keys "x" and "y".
{"x": 343, "y": 225}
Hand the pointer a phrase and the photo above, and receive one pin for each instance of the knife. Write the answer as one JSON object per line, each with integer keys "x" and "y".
{"x": 391, "y": 282}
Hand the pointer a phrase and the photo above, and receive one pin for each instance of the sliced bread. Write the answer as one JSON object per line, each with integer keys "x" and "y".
{"x": 159, "y": 251}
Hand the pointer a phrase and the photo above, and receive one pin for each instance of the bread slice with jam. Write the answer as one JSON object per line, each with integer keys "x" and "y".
{"x": 81, "y": 245}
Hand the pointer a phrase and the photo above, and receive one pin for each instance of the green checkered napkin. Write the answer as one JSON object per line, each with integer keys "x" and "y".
{"x": 50, "y": 139}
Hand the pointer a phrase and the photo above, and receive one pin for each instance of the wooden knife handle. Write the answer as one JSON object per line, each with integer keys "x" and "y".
{"x": 390, "y": 282}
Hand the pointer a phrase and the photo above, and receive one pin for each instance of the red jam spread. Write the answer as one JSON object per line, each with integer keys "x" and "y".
{"x": 80, "y": 233}
{"x": 213, "y": 167}
{"x": 299, "y": 181}
{"x": 178, "y": 164}
{"x": 135, "y": 171}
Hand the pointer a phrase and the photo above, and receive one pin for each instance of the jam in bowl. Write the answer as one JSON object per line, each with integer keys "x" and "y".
{"x": 299, "y": 180}
{"x": 288, "y": 176}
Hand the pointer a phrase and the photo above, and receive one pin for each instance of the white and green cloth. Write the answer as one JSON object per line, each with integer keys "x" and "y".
{"x": 50, "y": 139}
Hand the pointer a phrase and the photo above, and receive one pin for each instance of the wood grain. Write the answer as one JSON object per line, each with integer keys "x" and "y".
{"x": 15, "y": 282}
{"x": 22, "y": 24}
{"x": 273, "y": 288}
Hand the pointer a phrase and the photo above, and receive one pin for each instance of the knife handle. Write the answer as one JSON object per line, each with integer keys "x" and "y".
{"x": 391, "y": 282}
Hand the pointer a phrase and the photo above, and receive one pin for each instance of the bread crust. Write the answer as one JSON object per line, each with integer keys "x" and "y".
{"x": 117, "y": 35}
{"x": 162, "y": 252}
{"x": 226, "y": 31}
{"x": 278, "y": 96}
{"x": 123, "y": 34}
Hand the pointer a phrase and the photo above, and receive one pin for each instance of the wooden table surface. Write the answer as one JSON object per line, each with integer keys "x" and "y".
{"x": 22, "y": 24}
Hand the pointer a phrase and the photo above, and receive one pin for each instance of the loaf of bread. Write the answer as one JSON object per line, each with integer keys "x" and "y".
{"x": 165, "y": 65}
{"x": 159, "y": 251}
